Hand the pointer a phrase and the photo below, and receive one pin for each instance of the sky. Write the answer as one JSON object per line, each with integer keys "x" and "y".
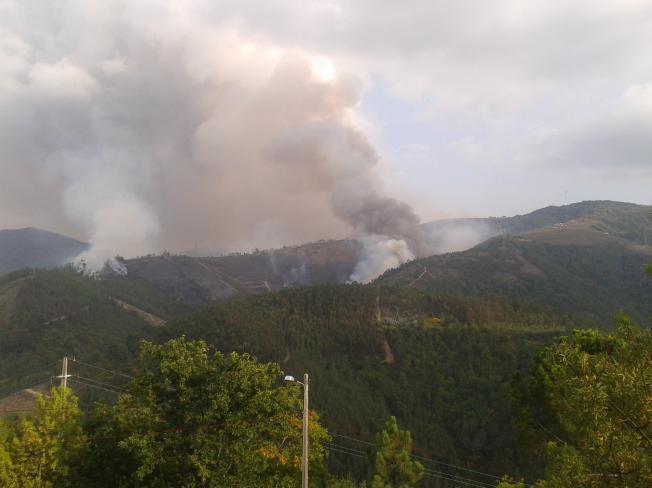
{"x": 146, "y": 125}
{"x": 496, "y": 108}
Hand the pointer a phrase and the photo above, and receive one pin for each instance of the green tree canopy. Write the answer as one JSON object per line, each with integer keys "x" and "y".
{"x": 193, "y": 417}
{"x": 38, "y": 452}
{"x": 393, "y": 464}
{"x": 589, "y": 404}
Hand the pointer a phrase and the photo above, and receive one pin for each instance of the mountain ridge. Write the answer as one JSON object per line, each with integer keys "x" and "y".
{"x": 30, "y": 247}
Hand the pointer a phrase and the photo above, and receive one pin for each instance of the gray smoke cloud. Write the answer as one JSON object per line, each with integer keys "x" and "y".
{"x": 142, "y": 127}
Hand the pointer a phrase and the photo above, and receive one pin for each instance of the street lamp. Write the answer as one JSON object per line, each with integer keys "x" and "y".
{"x": 304, "y": 452}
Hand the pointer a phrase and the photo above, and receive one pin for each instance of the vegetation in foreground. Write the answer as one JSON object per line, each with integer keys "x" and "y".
{"x": 587, "y": 408}
{"x": 195, "y": 417}
{"x": 192, "y": 417}
{"x": 442, "y": 365}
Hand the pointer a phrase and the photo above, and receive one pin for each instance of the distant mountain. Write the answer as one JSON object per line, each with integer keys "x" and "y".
{"x": 197, "y": 281}
{"x": 626, "y": 220}
{"x": 585, "y": 259}
{"x": 202, "y": 280}
{"x": 36, "y": 248}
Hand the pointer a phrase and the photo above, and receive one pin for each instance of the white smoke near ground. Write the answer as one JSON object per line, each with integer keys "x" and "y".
{"x": 458, "y": 235}
{"x": 144, "y": 127}
{"x": 380, "y": 254}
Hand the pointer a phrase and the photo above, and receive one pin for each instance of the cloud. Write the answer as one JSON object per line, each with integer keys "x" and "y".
{"x": 458, "y": 54}
{"x": 483, "y": 82}
{"x": 618, "y": 137}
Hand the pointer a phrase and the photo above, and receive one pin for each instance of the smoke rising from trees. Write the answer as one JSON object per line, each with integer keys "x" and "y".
{"x": 142, "y": 129}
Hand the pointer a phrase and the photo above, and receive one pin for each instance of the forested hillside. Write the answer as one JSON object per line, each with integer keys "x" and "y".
{"x": 203, "y": 280}
{"x": 441, "y": 365}
{"x": 445, "y": 379}
{"x": 45, "y": 315}
{"x": 569, "y": 270}
{"x": 626, "y": 220}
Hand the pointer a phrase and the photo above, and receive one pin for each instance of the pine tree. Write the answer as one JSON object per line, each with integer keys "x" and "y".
{"x": 589, "y": 407}
{"x": 393, "y": 464}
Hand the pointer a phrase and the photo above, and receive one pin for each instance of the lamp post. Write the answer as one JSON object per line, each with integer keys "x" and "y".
{"x": 304, "y": 451}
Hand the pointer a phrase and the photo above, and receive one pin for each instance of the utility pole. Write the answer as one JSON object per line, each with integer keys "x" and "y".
{"x": 64, "y": 373}
{"x": 305, "y": 427}
{"x": 304, "y": 455}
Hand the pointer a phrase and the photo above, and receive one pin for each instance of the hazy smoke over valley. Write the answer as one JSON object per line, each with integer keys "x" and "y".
{"x": 143, "y": 129}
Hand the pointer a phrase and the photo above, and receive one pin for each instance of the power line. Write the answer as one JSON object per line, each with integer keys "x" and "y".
{"x": 76, "y": 380}
{"x": 457, "y": 467}
{"x": 353, "y": 451}
{"x": 457, "y": 480}
{"x": 100, "y": 383}
{"x": 422, "y": 458}
{"x": 333, "y": 449}
{"x": 351, "y": 438}
{"x": 92, "y": 383}
{"x": 430, "y": 472}
{"x": 102, "y": 369}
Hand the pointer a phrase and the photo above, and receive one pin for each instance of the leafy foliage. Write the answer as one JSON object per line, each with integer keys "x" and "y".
{"x": 39, "y": 451}
{"x": 589, "y": 398}
{"x": 195, "y": 417}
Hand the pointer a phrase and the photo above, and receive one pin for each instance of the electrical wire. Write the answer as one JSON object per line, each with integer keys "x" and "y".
{"x": 92, "y": 383}
{"x": 333, "y": 449}
{"x": 101, "y": 368}
{"x": 449, "y": 476}
{"x": 94, "y": 386}
{"x": 100, "y": 383}
{"x": 422, "y": 458}
{"x": 457, "y": 480}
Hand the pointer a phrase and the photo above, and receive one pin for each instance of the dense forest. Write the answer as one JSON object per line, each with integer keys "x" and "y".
{"x": 441, "y": 365}
{"x": 193, "y": 416}
{"x": 588, "y": 281}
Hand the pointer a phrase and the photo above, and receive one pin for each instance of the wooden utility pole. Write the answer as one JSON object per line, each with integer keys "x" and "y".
{"x": 306, "y": 419}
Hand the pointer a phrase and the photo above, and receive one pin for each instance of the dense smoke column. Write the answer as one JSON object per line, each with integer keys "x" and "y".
{"x": 157, "y": 130}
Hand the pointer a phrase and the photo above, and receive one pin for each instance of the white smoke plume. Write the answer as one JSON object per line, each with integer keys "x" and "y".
{"x": 144, "y": 126}
{"x": 380, "y": 253}
{"x": 458, "y": 234}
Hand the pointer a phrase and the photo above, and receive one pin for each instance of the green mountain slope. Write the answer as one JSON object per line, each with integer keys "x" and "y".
{"x": 200, "y": 281}
{"x": 588, "y": 267}
{"x": 45, "y": 315}
{"x": 629, "y": 221}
